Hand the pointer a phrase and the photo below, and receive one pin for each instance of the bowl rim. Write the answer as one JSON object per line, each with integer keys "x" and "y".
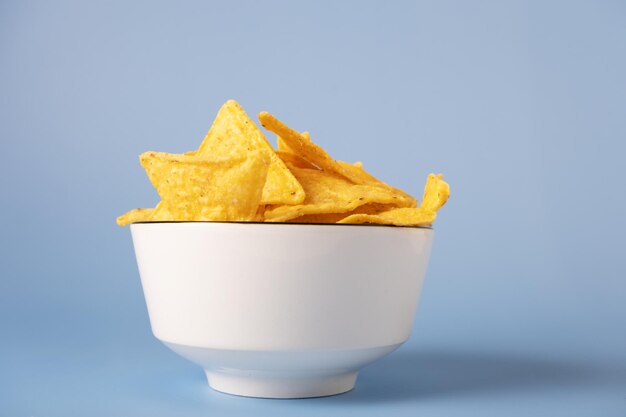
{"x": 281, "y": 224}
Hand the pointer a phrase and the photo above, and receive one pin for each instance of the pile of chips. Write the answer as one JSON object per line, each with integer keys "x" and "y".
{"x": 236, "y": 175}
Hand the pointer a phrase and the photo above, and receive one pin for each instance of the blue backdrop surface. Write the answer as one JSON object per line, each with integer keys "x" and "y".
{"x": 521, "y": 104}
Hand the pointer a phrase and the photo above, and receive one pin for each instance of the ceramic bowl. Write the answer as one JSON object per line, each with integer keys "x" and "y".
{"x": 281, "y": 310}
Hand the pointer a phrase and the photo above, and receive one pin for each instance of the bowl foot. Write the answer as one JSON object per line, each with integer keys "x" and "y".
{"x": 281, "y": 385}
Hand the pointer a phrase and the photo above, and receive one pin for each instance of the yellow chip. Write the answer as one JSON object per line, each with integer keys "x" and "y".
{"x": 397, "y": 217}
{"x": 363, "y": 177}
{"x": 291, "y": 159}
{"x": 371, "y": 208}
{"x": 136, "y": 215}
{"x": 327, "y": 192}
{"x": 199, "y": 188}
{"x": 328, "y": 218}
{"x": 162, "y": 213}
{"x": 295, "y": 142}
{"x": 283, "y": 146}
{"x": 233, "y": 134}
{"x": 436, "y": 193}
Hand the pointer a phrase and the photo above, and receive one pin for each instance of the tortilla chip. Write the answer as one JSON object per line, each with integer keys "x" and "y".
{"x": 233, "y": 134}
{"x": 371, "y": 208}
{"x": 396, "y": 217}
{"x": 291, "y": 159}
{"x": 136, "y": 215}
{"x": 296, "y": 143}
{"x": 327, "y": 192}
{"x": 196, "y": 188}
{"x": 436, "y": 193}
{"x": 363, "y": 177}
{"x": 283, "y": 146}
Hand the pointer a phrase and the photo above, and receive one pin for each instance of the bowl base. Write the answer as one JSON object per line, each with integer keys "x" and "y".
{"x": 281, "y": 385}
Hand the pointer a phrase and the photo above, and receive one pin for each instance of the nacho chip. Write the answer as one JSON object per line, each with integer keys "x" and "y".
{"x": 363, "y": 177}
{"x": 136, "y": 215}
{"x": 436, "y": 193}
{"x": 396, "y": 217}
{"x": 162, "y": 213}
{"x": 196, "y": 188}
{"x": 297, "y": 143}
{"x": 283, "y": 146}
{"x": 371, "y": 208}
{"x": 234, "y": 134}
{"x": 327, "y": 192}
{"x": 323, "y": 218}
{"x": 291, "y": 159}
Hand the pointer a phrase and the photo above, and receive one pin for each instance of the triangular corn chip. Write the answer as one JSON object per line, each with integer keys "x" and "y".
{"x": 292, "y": 159}
{"x": 199, "y": 188}
{"x": 283, "y": 146}
{"x": 371, "y": 208}
{"x": 162, "y": 213}
{"x": 295, "y": 142}
{"x": 135, "y": 215}
{"x": 397, "y": 217}
{"x": 358, "y": 173}
{"x": 327, "y": 192}
{"x": 234, "y": 134}
{"x": 436, "y": 193}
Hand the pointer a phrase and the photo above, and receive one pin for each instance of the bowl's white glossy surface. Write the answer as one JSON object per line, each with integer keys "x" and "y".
{"x": 281, "y": 310}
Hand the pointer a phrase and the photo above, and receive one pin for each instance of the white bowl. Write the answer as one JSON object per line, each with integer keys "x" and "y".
{"x": 281, "y": 310}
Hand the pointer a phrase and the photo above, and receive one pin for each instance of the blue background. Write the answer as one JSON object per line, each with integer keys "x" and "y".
{"x": 521, "y": 104}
